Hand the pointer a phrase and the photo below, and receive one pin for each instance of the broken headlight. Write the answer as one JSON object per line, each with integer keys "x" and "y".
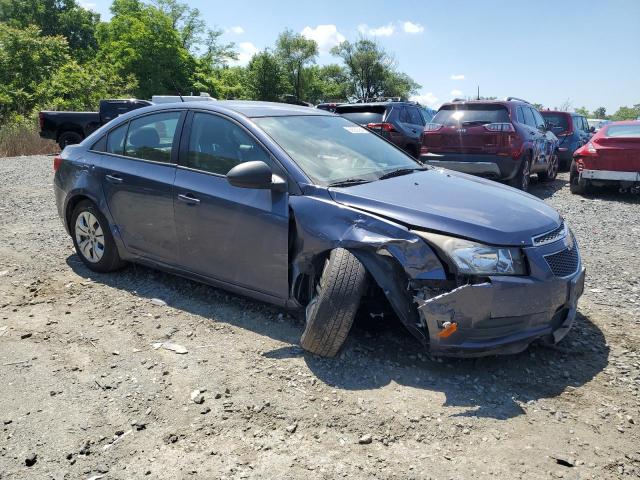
{"x": 471, "y": 258}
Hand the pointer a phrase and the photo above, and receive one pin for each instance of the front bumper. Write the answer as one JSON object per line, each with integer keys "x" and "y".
{"x": 610, "y": 175}
{"x": 504, "y": 314}
{"x": 490, "y": 166}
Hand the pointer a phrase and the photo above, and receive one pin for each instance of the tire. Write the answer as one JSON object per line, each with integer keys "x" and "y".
{"x": 523, "y": 177}
{"x": 576, "y": 185}
{"x": 331, "y": 311}
{"x": 69, "y": 138}
{"x": 552, "y": 170}
{"x": 89, "y": 231}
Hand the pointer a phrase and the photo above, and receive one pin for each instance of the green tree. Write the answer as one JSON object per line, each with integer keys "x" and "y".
{"x": 583, "y": 111}
{"x": 600, "y": 112}
{"x": 627, "y": 113}
{"x": 27, "y": 59}
{"x": 398, "y": 84}
{"x": 265, "y": 78}
{"x": 55, "y": 17}
{"x": 327, "y": 83}
{"x": 296, "y": 52}
{"x": 140, "y": 40}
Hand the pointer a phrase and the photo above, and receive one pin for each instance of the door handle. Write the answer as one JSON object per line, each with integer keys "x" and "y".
{"x": 188, "y": 198}
{"x": 113, "y": 178}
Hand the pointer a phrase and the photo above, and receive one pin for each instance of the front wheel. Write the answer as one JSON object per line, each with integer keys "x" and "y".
{"x": 552, "y": 170}
{"x": 69, "y": 138}
{"x": 92, "y": 238}
{"x": 331, "y": 311}
{"x": 522, "y": 178}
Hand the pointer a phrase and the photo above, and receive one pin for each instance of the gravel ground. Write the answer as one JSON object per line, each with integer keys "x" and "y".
{"x": 84, "y": 394}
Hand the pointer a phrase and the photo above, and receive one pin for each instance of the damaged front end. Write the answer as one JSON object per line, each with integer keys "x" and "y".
{"x": 451, "y": 312}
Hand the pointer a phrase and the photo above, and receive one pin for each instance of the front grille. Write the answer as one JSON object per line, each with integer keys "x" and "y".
{"x": 550, "y": 237}
{"x": 565, "y": 262}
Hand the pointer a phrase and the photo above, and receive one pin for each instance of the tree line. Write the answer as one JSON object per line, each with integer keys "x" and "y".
{"x": 54, "y": 54}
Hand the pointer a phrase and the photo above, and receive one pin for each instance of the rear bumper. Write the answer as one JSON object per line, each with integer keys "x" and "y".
{"x": 610, "y": 175}
{"x": 491, "y": 166}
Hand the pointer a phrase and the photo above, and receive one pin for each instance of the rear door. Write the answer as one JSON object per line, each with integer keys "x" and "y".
{"x": 235, "y": 235}
{"x": 138, "y": 172}
{"x": 534, "y": 136}
{"x": 548, "y": 142}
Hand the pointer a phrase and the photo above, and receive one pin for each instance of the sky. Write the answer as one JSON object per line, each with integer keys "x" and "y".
{"x": 584, "y": 52}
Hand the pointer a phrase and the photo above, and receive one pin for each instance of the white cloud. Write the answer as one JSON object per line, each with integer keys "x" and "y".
{"x": 425, "y": 99}
{"x": 87, "y": 5}
{"x": 410, "y": 27}
{"x": 457, "y": 77}
{"x": 246, "y": 50}
{"x": 456, "y": 93}
{"x": 326, "y": 36}
{"x": 237, "y": 30}
{"x": 382, "y": 31}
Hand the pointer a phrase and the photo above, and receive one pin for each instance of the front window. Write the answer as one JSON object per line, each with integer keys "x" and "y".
{"x": 333, "y": 149}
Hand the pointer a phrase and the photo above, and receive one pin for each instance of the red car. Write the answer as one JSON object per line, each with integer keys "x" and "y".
{"x": 612, "y": 156}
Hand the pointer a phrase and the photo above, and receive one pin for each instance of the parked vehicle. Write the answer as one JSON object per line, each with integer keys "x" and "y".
{"x": 399, "y": 122}
{"x": 427, "y": 113}
{"x": 501, "y": 140}
{"x": 68, "y": 128}
{"x": 572, "y": 131}
{"x": 203, "y": 97}
{"x": 596, "y": 124}
{"x": 307, "y": 210}
{"x": 328, "y": 106}
{"x": 612, "y": 156}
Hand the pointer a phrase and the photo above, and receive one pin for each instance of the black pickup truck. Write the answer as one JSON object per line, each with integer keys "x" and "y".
{"x": 68, "y": 128}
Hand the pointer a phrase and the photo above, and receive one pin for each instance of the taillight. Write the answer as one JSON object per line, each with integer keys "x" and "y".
{"x": 500, "y": 127}
{"x": 579, "y": 166}
{"x": 432, "y": 127}
{"x": 57, "y": 161}
{"x": 41, "y": 120}
{"x": 385, "y": 127}
{"x": 591, "y": 149}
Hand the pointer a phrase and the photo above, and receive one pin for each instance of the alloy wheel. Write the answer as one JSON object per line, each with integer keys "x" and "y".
{"x": 552, "y": 169}
{"x": 89, "y": 237}
{"x": 526, "y": 174}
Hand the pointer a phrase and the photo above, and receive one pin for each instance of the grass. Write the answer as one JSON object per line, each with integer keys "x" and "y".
{"x": 23, "y": 139}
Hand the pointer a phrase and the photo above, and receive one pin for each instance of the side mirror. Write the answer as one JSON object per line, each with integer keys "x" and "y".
{"x": 256, "y": 174}
{"x": 592, "y": 129}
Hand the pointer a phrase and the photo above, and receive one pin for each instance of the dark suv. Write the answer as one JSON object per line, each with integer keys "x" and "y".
{"x": 399, "y": 122}
{"x": 501, "y": 140}
{"x": 572, "y": 131}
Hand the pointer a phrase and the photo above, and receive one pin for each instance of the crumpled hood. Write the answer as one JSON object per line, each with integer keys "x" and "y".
{"x": 454, "y": 203}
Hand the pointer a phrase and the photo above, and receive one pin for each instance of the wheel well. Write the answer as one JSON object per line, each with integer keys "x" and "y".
{"x": 71, "y": 205}
{"x": 68, "y": 128}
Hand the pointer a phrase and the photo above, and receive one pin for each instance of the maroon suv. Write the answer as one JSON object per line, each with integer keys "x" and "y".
{"x": 502, "y": 140}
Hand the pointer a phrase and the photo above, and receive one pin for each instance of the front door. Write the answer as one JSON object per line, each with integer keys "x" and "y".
{"x": 231, "y": 234}
{"x": 139, "y": 168}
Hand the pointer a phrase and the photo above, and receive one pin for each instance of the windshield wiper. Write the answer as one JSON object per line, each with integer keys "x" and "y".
{"x": 348, "y": 182}
{"x": 399, "y": 172}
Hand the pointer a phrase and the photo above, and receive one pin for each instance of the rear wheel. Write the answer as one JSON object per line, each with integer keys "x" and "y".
{"x": 69, "y": 138}
{"x": 522, "y": 178}
{"x": 552, "y": 170}
{"x": 331, "y": 311}
{"x": 576, "y": 185}
{"x": 92, "y": 238}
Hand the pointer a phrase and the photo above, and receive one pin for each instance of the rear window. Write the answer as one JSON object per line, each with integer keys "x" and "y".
{"x": 556, "y": 121}
{"x": 453, "y": 115}
{"x": 623, "y": 131}
{"x": 363, "y": 115}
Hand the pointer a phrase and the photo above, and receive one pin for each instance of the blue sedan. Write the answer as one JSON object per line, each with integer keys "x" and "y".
{"x": 304, "y": 209}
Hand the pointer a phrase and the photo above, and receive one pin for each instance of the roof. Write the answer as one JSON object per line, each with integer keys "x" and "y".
{"x": 375, "y": 104}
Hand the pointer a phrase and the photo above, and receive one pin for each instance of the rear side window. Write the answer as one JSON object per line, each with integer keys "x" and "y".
{"x": 100, "y": 145}
{"x": 519, "y": 115}
{"x": 363, "y": 115}
{"x": 528, "y": 117}
{"x": 632, "y": 131}
{"x": 115, "y": 139}
{"x": 414, "y": 116}
{"x": 216, "y": 145}
{"x": 454, "y": 115}
{"x": 151, "y": 137}
{"x": 557, "y": 122}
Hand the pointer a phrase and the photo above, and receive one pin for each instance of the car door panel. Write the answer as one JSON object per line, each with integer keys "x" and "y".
{"x": 230, "y": 234}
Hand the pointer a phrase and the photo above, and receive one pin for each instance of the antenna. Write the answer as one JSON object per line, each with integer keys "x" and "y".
{"x": 177, "y": 91}
{"x": 478, "y": 92}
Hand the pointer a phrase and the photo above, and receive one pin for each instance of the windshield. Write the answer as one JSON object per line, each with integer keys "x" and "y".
{"x": 332, "y": 149}
{"x": 454, "y": 115}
